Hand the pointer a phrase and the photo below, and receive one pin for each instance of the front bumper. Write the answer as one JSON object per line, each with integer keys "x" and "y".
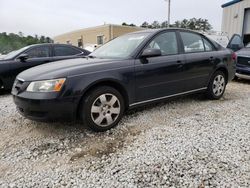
{"x": 243, "y": 72}
{"x": 46, "y": 109}
{"x": 243, "y": 76}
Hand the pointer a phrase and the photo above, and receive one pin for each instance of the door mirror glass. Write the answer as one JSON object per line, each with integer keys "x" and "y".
{"x": 23, "y": 57}
{"x": 236, "y": 43}
{"x": 151, "y": 52}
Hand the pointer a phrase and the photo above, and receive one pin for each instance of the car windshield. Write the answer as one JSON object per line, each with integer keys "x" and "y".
{"x": 121, "y": 47}
{"x": 13, "y": 54}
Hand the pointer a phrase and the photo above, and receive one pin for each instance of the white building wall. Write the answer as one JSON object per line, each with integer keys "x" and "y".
{"x": 233, "y": 18}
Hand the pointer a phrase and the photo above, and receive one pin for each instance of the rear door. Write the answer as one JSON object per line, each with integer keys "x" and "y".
{"x": 200, "y": 55}
{"x": 160, "y": 76}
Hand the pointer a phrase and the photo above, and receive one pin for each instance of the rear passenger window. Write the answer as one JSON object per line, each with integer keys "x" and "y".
{"x": 66, "y": 51}
{"x": 166, "y": 42}
{"x": 192, "y": 42}
{"x": 208, "y": 45}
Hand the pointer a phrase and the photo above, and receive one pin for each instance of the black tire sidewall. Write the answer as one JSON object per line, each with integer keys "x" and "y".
{"x": 210, "y": 92}
{"x": 85, "y": 112}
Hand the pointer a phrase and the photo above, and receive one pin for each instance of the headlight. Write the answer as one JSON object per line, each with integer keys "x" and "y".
{"x": 46, "y": 85}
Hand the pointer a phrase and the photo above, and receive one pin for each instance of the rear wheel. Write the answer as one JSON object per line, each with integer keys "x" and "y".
{"x": 217, "y": 85}
{"x": 102, "y": 108}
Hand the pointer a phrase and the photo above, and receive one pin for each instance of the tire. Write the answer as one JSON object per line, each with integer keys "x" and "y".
{"x": 102, "y": 108}
{"x": 217, "y": 86}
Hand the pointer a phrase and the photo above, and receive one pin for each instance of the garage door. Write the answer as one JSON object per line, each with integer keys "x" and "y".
{"x": 246, "y": 29}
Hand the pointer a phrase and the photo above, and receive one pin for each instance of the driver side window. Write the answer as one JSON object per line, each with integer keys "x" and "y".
{"x": 38, "y": 52}
{"x": 165, "y": 42}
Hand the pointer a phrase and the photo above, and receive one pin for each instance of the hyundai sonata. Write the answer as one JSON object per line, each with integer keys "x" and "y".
{"x": 129, "y": 71}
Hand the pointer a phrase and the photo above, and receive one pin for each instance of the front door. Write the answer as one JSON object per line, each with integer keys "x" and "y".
{"x": 158, "y": 77}
{"x": 236, "y": 43}
{"x": 36, "y": 56}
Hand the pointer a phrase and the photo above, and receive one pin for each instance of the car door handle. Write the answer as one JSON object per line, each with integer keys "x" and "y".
{"x": 211, "y": 59}
{"x": 179, "y": 62}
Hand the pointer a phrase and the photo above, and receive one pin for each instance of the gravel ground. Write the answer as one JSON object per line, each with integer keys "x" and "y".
{"x": 186, "y": 142}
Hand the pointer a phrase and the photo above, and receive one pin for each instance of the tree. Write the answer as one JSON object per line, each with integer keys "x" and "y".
{"x": 12, "y": 41}
{"x": 125, "y": 24}
{"x": 156, "y": 25}
{"x": 194, "y": 24}
{"x": 145, "y": 25}
{"x": 42, "y": 39}
{"x": 164, "y": 24}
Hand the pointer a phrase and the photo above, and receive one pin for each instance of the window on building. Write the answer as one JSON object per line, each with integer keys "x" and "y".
{"x": 192, "y": 42}
{"x": 66, "y": 51}
{"x": 80, "y": 43}
{"x": 38, "y": 52}
{"x": 100, "y": 40}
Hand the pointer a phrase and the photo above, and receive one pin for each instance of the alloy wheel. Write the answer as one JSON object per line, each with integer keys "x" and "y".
{"x": 219, "y": 85}
{"x": 105, "y": 110}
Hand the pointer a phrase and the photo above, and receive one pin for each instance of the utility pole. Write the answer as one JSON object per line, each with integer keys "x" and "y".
{"x": 169, "y": 12}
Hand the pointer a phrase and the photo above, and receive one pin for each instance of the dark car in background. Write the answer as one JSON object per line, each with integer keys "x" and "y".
{"x": 243, "y": 63}
{"x": 127, "y": 72}
{"x": 243, "y": 57}
{"x": 17, "y": 61}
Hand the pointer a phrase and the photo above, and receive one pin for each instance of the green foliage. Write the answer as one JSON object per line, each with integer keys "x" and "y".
{"x": 193, "y": 24}
{"x": 125, "y": 24}
{"x": 11, "y": 41}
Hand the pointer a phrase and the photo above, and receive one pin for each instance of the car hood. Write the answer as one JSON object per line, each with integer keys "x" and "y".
{"x": 244, "y": 52}
{"x": 68, "y": 68}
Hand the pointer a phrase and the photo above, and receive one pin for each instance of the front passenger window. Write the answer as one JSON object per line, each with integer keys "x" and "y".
{"x": 38, "y": 52}
{"x": 166, "y": 42}
{"x": 192, "y": 42}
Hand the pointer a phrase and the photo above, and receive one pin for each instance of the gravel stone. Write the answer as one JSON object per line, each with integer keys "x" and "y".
{"x": 185, "y": 142}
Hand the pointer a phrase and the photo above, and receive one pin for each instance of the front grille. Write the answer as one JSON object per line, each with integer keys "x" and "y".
{"x": 245, "y": 61}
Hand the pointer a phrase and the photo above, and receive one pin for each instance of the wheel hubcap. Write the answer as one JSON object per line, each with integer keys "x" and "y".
{"x": 218, "y": 85}
{"x": 105, "y": 110}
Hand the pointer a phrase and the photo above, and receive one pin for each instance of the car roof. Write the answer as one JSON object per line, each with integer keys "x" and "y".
{"x": 154, "y": 31}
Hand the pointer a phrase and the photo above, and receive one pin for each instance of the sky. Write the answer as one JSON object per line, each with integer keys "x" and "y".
{"x": 55, "y": 17}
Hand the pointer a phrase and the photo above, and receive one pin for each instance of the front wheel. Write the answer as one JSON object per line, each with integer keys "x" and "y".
{"x": 217, "y": 86}
{"x": 102, "y": 108}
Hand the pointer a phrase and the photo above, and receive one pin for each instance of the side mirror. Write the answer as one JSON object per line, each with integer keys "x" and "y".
{"x": 23, "y": 57}
{"x": 151, "y": 52}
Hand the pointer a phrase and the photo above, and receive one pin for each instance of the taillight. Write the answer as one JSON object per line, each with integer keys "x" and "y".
{"x": 234, "y": 56}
